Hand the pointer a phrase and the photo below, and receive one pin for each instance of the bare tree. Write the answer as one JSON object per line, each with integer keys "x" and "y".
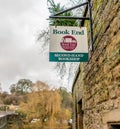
{"x": 0, "y": 88}
{"x": 66, "y": 71}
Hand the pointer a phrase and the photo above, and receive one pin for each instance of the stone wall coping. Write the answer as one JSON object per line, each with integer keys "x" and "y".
{"x": 111, "y": 117}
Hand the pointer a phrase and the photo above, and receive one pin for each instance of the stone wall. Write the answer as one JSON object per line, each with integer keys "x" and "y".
{"x": 100, "y": 87}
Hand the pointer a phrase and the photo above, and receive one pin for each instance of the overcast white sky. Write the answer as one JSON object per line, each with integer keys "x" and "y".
{"x": 20, "y": 21}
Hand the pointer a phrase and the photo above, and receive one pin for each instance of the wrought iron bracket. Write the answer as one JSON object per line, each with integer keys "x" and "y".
{"x": 89, "y": 7}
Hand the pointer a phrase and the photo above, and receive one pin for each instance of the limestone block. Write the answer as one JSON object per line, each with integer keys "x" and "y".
{"x": 111, "y": 116}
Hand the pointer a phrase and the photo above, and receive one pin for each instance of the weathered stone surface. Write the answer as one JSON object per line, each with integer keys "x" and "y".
{"x": 111, "y": 116}
{"x": 98, "y": 83}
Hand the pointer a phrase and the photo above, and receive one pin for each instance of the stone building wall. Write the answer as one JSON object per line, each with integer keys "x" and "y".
{"x": 98, "y": 83}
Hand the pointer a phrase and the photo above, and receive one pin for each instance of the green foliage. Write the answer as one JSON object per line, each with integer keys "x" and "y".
{"x": 66, "y": 98}
{"x": 21, "y": 87}
{"x": 14, "y": 121}
{"x": 55, "y": 8}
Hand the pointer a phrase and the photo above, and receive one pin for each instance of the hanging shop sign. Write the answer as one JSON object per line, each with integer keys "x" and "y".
{"x": 68, "y": 44}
